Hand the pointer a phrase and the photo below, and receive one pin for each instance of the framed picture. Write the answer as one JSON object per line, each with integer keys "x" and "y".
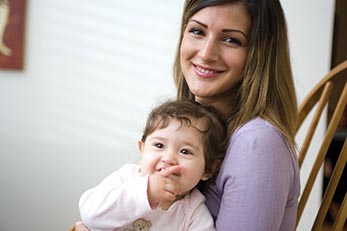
{"x": 12, "y": 27}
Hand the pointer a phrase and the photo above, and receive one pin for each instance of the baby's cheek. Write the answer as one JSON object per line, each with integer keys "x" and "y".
{"x": 183, "y": 169}
{"x": 148, "y": 165}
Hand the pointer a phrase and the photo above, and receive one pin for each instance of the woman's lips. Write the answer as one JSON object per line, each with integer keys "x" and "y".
{"x": 206, "y": 72}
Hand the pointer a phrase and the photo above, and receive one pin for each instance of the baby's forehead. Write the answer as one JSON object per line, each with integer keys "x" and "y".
{"x": 199, "y": 124}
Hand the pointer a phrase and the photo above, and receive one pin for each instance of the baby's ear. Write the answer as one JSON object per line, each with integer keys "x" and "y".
{"x": 215, "y": 168}
{"x": 206, "y": 176}
{"x": 140, "y": 144}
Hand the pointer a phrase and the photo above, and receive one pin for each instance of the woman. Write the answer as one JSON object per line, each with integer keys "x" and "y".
{"x": 233, "y": 55}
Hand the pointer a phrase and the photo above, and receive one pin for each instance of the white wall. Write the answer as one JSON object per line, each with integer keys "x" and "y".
{"x": 93, "y": 69}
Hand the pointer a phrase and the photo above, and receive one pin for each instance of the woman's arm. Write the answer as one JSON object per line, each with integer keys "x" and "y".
{"x": 256, "y": 182}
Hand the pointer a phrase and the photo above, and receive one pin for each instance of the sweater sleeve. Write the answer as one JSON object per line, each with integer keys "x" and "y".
{"x": 117, "y": 201}
{"x": 256, "y": 178}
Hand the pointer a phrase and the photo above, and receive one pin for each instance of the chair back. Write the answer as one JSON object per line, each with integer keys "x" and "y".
{"x": 318, "y": 99}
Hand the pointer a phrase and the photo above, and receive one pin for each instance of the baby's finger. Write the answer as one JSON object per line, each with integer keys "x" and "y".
{"x": 172, "y": 170}
{"x": 171, "y": 187}
{"x": 168, "y": 196}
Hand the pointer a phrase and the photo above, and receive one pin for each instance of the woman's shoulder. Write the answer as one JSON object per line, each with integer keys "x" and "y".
{"x": 260, "y": 148}
{"x": 257, "y": 127}
{"x": 259, "y": 137}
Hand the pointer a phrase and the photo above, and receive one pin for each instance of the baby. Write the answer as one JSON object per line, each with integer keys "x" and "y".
{"x": 183, "y": 143}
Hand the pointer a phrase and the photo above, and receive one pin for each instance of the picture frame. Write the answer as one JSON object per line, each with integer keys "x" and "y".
{"x": 12, "y": 31}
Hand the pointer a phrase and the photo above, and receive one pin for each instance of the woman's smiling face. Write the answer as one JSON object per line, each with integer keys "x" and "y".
{"x": 214, "y": 50}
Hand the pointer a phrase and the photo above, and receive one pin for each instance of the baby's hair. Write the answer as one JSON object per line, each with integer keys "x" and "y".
{"x": 188, "y": 112}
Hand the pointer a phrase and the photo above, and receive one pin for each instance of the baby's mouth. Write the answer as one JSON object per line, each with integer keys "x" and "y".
{"x": 173, "y": 174}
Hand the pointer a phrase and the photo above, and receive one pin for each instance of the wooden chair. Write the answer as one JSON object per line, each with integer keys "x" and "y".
{"x": 319, "y": 97}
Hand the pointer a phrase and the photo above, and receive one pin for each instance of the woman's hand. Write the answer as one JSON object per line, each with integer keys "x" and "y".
{"x": 79, "y": 226}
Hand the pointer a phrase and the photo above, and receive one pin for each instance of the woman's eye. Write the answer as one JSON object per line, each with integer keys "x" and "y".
{"x": 233, "y": 40}
{"x": 196, "y": 31}
{"x": 159, "y": 145}
{"x": 186, "y": 152}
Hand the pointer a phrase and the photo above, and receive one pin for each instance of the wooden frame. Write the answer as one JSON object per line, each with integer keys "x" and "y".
{"x": 12, "y": 27}
{"x": 319, "y": 97}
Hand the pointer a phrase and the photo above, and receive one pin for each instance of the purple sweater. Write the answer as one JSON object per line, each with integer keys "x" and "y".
{"x": 258, "y": 186}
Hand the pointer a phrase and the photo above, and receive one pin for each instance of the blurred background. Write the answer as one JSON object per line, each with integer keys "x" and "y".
{"x": 91, "y": 72}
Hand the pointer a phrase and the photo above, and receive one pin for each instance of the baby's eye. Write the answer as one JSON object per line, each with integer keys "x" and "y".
{"x": 186, "y": 152}
{"x": 159, "y": 145}
{"x": 232, "y": 40}
{"x": 196, "y": 31}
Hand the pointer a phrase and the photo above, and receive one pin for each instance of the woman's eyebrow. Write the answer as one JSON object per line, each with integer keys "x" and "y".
{"x": 224, "y": 30}
{"x": 198, "y": 22}
{"x": 235, "y": 30}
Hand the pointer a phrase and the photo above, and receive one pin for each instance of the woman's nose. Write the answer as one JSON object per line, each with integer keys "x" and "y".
{"x": 209, "y": 50}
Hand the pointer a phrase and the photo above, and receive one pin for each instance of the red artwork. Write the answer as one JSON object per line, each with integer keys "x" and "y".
{"x": 12, "y": 27}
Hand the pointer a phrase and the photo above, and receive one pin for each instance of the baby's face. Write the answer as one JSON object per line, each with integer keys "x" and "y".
{"x": 175, "y": 145}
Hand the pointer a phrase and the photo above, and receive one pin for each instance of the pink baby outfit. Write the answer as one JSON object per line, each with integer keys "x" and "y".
{"x": 120, "y": 202}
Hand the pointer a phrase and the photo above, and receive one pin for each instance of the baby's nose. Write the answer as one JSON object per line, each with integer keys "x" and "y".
{"x": 169, "y": 158}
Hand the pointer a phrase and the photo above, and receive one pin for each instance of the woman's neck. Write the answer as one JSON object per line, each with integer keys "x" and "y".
{"x": 224, "y": 105}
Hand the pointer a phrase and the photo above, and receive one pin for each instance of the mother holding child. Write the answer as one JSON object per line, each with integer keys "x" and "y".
{"x": 233, "y": 55}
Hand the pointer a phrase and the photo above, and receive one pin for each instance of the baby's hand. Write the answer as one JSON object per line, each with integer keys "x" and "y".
{"x": 162, "y": 190}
